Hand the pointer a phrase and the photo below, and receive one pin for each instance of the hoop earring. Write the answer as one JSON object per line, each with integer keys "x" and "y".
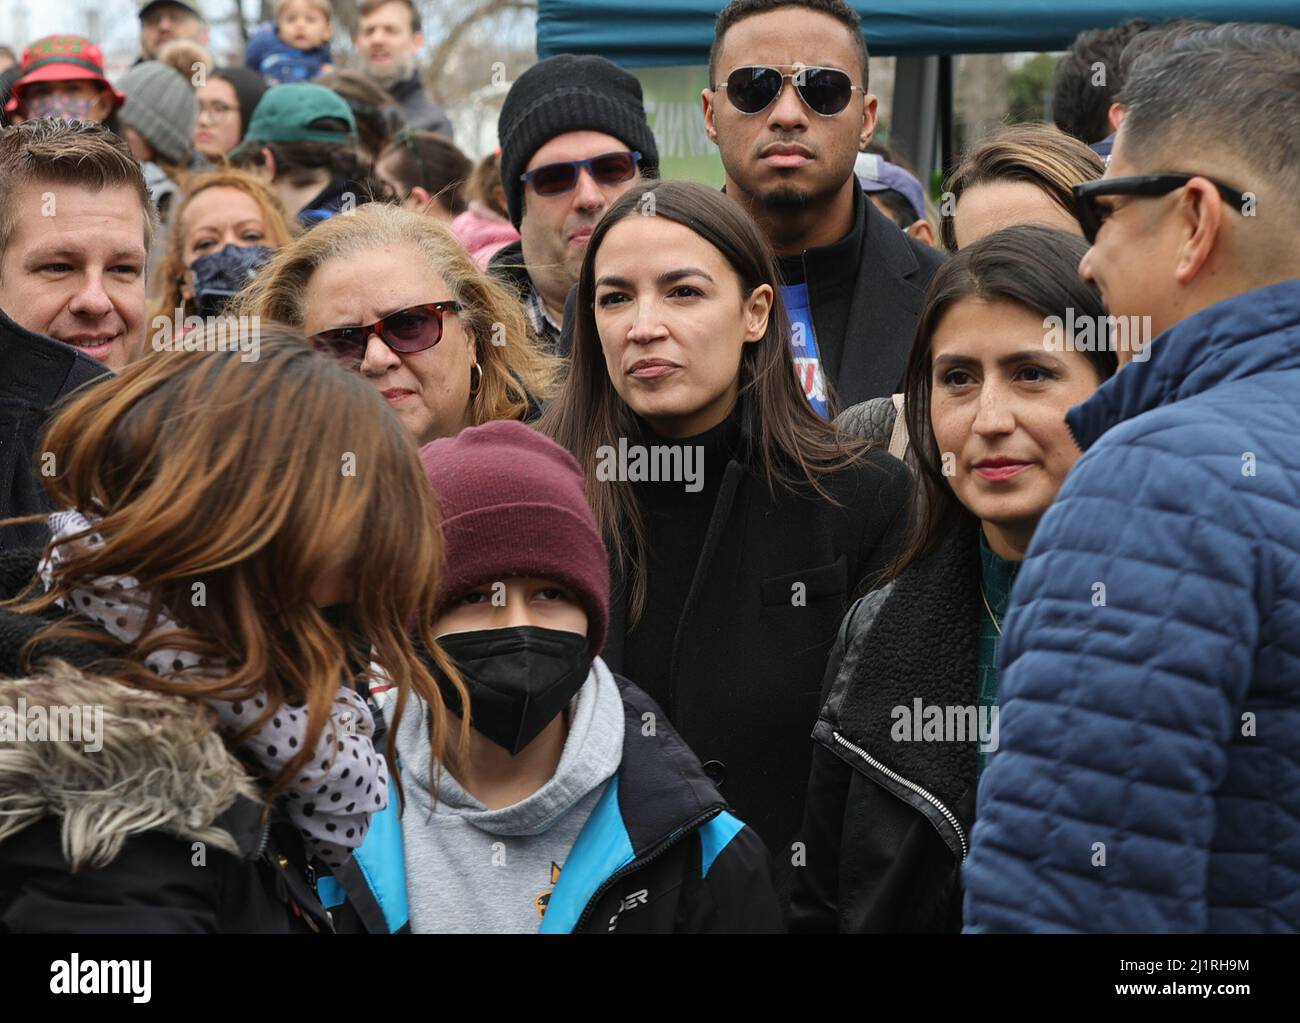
{"x": 475, "y": 384}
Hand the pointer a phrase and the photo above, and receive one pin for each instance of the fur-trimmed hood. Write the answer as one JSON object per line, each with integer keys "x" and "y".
{"x": 161, "y": 766}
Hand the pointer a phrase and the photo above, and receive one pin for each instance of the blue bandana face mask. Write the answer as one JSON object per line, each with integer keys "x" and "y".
{"x": 219, "y": 276}
{"x": 60, "y": 105}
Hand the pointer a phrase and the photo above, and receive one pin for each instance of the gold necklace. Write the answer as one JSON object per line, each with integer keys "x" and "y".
{"x": 989, "y": 609}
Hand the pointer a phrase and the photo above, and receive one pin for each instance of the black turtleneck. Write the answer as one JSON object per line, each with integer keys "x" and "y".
{"x": 792, "y": 269}
{"x": 676, "y": 522}
{"x": 831, "y": 273}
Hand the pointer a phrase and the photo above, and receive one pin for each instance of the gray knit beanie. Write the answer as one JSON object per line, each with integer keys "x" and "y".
{"x": 162, "y": 107}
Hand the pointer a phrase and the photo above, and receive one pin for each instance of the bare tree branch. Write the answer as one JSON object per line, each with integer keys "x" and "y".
{"x": 482, "y": 10}
{"x": 347, "y": 15}
{"x": 241, "y": 26}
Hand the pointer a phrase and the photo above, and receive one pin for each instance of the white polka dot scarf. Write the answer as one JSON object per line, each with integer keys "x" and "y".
{"x": 347, "y": 778}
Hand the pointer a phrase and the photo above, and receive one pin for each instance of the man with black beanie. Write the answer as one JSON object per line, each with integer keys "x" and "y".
{"x": 574, "y": 138}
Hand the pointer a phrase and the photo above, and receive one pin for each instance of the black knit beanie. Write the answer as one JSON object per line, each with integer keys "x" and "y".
{"x": 569, "y": 93}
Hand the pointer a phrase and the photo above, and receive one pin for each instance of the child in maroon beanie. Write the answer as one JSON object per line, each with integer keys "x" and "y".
{"x": 573, "y": 775}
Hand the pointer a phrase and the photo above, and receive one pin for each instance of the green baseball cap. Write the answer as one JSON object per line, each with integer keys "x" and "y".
{"x": 288, "y": 113}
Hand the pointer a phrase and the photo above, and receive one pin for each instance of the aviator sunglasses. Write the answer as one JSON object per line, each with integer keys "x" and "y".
{"x": 824, "y": 90}
{"x": 606, "y": 169}
{"x": 406, "y": 331}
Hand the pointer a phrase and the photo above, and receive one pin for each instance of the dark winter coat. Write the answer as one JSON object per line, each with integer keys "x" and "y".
{"x": 37, "y": 372}
{"x": 169, "y": 822}
{"x": 171, "y": 826}
{"x": 1147, "y": 777}
{"x": 866, "y": 293}
{"x": 872, "y": 421}
{"x": 660, "y": 853}
{"x": 887, "y": 822}
{"x": 419, "y": 109}
{"x": 750, "y": 649}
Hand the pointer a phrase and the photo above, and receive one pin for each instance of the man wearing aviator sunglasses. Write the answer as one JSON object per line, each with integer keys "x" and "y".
{"x": 574, "y": 138}
{"x": 789, "y": 110}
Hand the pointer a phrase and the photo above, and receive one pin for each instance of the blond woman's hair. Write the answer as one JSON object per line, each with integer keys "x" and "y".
{"x": 516, "y": 372}
{"x": 280, "y": 230}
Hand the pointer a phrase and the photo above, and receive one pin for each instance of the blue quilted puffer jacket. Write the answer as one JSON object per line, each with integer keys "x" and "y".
{"x": 1148, "y": 773}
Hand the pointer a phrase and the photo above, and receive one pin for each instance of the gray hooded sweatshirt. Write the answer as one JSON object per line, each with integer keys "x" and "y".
{"x": 471, "y": 870}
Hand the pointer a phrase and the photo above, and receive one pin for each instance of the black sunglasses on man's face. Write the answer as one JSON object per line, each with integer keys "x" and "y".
{"x": 824, "y": 90}
{"x": 1091, "y": 214}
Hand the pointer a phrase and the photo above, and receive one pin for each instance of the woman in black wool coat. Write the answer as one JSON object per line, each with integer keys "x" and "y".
{"x": 733, "y": 572}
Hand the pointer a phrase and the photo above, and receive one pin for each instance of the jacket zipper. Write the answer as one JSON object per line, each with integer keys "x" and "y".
{"x": 261, "y": 843}
{"x": 659, "y": 850}
{"x": 948, "y": 815}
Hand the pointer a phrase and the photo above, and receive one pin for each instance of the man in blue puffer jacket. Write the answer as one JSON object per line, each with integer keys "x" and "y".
{"x": 1148, "y": 777}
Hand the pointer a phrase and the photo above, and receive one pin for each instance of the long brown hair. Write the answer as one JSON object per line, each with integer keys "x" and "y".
{"x": 228, "y": 488}
{"x": 1032, "y": 266}
{"x": 280, "y": 230}
{"x": 789, "y": 445}
{"x": 514, "y": 367}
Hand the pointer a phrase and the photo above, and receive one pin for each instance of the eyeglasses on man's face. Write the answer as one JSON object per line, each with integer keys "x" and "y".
{"x": 606, "y": 169}
{"x": 1092, "y": 214}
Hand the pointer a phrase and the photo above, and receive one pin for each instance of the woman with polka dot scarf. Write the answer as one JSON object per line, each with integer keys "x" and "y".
{"x": 236, "y": 541}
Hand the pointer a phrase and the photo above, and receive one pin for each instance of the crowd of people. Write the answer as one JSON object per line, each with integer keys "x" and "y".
{"x": 538, "y": 545}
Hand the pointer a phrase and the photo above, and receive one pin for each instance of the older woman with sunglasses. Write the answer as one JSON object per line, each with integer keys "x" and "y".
{"x": 393, "y": 296}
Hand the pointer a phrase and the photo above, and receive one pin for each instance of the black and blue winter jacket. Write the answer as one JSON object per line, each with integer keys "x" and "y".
{"x": 660, "y": 853}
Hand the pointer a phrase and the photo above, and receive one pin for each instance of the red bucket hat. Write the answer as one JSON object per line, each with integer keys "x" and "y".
{"x": 62, "y": 58}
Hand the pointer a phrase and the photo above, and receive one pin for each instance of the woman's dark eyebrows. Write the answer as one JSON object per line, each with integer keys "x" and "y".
{"x": 667, "y": 277}
{"x": 1010, "y": 359}
{"x": 1030, "y": 355}
{"x": 956, "y": 360}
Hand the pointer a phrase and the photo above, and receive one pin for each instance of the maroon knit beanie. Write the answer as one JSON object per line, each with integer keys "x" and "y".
{"x": 513, "y": 503}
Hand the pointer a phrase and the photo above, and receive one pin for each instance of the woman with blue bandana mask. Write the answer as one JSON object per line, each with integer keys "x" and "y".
{"x": 225, "y": 227}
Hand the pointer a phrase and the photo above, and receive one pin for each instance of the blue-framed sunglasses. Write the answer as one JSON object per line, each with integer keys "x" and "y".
{"x": 606, "y": 169}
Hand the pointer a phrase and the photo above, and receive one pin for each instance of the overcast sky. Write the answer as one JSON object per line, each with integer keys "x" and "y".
{"x": 119, "y": 21}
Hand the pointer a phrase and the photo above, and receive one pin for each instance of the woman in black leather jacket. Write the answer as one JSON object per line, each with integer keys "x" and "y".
{"x": 910, "y": 696}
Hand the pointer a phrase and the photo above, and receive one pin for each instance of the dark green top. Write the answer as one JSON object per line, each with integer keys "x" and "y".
{"x": 996, "y": 576}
